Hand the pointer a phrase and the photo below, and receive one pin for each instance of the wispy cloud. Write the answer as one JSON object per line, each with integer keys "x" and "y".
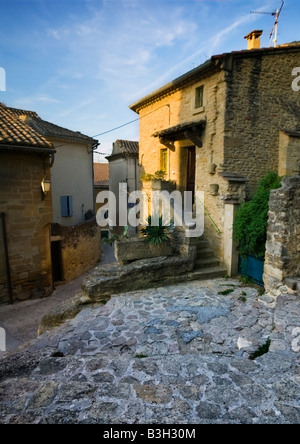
{"x": 34, "y": 101}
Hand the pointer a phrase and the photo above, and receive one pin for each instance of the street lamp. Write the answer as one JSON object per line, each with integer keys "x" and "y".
{"x": 46, "y": 187}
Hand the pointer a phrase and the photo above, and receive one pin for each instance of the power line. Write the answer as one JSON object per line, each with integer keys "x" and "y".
{"x": 133, "y": 121}
{"x": 115, "y": 129}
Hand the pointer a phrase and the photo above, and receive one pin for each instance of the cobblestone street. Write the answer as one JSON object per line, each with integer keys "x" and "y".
{"x": 172, "y": 355}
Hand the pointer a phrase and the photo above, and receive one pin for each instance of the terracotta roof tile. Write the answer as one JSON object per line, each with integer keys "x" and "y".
{"x": 15, "y": 133}
{"x": 48, "y": 129}
{"x": 101, "y": 174}
{"x": 128, "y": 147}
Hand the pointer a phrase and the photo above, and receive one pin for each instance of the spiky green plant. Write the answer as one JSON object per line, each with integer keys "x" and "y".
{"x": 156, "y": 235}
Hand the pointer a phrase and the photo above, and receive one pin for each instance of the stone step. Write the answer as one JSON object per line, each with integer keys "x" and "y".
{"x": 207, "y": 262}
{"x": 206, "y": 252}
{"x": 202, "y": 244}
{"x": 195, "y": 241}
{"x": 207, "y": 273}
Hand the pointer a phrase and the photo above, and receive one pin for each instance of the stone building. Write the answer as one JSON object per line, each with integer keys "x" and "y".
{"x": 221, "y": 127}
{"x": 75, "y": 238}
{"x": 26, "y": 212}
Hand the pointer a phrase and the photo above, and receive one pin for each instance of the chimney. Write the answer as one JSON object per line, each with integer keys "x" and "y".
{"x": 254, "y": 39}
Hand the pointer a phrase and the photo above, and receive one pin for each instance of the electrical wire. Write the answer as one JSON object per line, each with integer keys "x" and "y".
{"x": 132, "y": 121}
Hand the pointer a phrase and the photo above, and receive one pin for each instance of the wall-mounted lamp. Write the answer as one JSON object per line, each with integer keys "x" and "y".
{"x": 46, "y": 187}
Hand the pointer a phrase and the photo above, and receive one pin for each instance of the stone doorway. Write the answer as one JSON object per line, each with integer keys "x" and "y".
{"x": 56, "y": 258}
{"x": 191, "y": 169}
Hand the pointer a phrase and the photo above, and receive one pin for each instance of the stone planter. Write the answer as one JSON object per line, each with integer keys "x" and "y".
{"x": 136, "y": 249}
{"x": 159, "y": 185}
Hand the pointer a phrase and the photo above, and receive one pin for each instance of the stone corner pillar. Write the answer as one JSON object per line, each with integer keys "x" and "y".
{"x": 231, "y": 254}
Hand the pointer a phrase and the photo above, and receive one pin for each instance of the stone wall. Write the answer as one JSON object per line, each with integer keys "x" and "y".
{"x": 282, "y": 262}
{"x": 28, "y": 220}
{"x": 260, "y": 103}
{"x": 289, "y": 153}
{"x": 80, "y": 247}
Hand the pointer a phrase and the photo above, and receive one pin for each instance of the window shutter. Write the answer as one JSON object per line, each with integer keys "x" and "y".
{"x": 70, "y": 205}
{"x": 66, "y": 205}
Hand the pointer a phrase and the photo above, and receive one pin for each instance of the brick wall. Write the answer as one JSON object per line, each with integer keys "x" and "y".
{"x": 28, "y": 221}
{"x": 283, "y": 243}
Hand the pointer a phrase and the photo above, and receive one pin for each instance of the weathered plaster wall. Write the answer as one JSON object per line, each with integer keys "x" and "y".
{"x": 28, "y": 220}
{"x": 81, "y": 247}
{"x": 72, "y": 175}
{"x": 283, "y": 243}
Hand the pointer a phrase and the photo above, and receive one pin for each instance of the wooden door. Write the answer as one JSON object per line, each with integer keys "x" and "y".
{"x": 56, "y": 261}
{"x": 191, "y": 169}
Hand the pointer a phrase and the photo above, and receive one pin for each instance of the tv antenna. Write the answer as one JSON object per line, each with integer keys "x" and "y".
{"x": 275, "y": 14}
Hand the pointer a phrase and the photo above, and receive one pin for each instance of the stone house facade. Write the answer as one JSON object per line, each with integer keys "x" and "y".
{"x": 26, "y": 213}
{"x": 73, "y": 250}
{"x": 220, "y": 128}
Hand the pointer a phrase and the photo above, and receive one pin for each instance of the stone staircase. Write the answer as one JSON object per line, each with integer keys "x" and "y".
{"x": 207, "y": 266}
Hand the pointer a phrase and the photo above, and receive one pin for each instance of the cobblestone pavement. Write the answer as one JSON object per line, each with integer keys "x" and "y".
{"x": 173, "y": 355}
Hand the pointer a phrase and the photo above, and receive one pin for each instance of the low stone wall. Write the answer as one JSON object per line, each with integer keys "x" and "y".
{"x": 282, "y": 261}
{"x": 81, "y": 247}
{"x": 136, "y": 248}
{"x": 148, "y": 273}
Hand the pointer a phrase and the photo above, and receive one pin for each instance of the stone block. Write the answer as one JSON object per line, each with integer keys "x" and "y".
{"x": 291, "y": 284}
{"x": 115, "y": 279}
{"x": 136, "y": 249}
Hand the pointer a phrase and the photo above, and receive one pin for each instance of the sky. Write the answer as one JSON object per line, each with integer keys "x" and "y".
{"x": 81, "y": 63}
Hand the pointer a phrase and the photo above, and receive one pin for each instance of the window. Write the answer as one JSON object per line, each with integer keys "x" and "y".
{"x": 164, "y": 160}
{"x": 199, "y": 97}
{"x": 66, "y": 205}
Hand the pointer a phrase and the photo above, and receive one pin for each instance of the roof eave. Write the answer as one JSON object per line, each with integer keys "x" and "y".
{"x": 59, "y": 138}
{"x": 173, "y": 84}
{"x": 31, "y": 149}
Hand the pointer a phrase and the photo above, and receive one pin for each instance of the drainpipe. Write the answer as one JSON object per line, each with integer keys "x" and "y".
{"x": 11, "y": 300}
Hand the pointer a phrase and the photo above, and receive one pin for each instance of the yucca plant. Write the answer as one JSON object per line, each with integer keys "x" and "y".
{"x": 156, "y": 235}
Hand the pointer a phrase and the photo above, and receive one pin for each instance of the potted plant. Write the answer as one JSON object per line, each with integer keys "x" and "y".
{"x": 250, "y": 228}
{"x": 157, "y": 181}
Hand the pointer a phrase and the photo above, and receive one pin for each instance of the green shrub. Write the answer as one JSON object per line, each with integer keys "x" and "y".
{"x": 250, "y": 225}
{"x": 159, "y": 175}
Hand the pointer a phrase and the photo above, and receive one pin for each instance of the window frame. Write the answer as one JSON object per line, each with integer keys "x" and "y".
{"x": 199, "y": 98}
{"x": 163, "y": 160}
